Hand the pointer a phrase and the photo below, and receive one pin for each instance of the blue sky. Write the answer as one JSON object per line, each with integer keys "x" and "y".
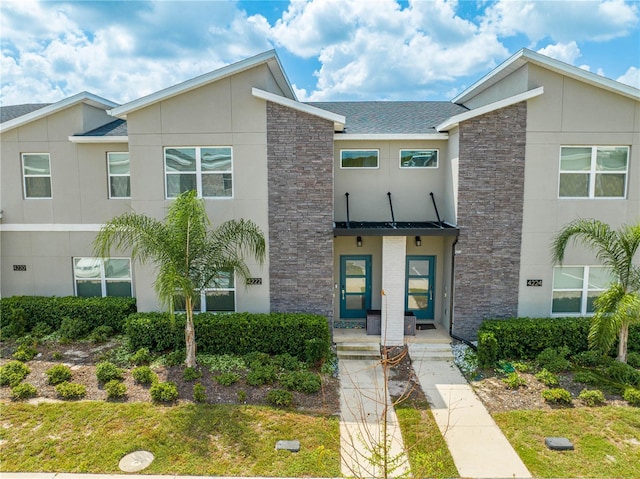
{"x": 331, "y": 49}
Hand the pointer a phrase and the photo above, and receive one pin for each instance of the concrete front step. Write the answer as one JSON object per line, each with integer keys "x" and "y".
{"x": 358, "y": 351}
{"x": 431, "y": 352}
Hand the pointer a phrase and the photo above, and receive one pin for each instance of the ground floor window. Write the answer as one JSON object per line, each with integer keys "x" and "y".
{"x": 220, "y": 297}
{"x": 575, "y": 288}
{"x": 102, "y": 277}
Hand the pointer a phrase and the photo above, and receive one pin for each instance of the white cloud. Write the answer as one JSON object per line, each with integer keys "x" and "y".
{"x": 566, "y": 52}
{"x": 631, "y": 77}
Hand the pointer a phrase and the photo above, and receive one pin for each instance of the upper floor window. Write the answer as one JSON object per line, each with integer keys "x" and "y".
{"x": 102, "y": 276}
{"x": 418, "y": 158}
{"x": 219, "y": 297}
{"x": 593, "y": 171}
{"x": 208, "y": 170}
{"x": 359, "y": 158}
{"x": 575, "y": 288}
{"x": 36, "y": 173}
{"x": 119, "y": 177}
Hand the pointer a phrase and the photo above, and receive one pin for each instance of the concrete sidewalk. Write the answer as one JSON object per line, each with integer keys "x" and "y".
{"x": 477, "y": 445}
{"x": 362, "y": 404}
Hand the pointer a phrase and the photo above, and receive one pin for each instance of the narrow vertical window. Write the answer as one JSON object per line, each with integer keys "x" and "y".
{"x": 36, "y": 172}
{"x": 119, "y": 176}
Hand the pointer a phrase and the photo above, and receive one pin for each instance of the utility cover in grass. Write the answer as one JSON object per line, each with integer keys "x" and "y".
{"x": 136, "y": 461}
{"x": 558, "y": 443}
{"x": 293, "y": 446}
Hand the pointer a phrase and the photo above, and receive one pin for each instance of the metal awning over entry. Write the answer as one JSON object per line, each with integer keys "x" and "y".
{"x": 393, "y": 227}
{"x": 399, "y": 228}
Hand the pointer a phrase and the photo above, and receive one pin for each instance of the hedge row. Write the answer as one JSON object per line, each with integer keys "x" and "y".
{"x": 31, "y": 310}
{"x": 525, "y": 338}
{"x": 234, "y": 333}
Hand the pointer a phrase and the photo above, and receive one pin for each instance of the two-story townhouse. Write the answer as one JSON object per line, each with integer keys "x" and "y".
{"x": 444, "y": 210}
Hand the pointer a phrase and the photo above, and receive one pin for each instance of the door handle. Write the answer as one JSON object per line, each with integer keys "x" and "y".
{"x": 430, "y": 295}
{"x": 343, "y": 293}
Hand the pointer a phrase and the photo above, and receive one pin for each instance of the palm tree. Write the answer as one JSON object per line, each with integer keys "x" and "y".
{"x": 618, "y": 306}
{"x": 189, "y": 257}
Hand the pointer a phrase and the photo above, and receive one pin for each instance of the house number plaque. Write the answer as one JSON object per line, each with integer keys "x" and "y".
{"x": 254, "y": 281}
{"x": 534, "y": 282}
{"x": 19, "y": 267}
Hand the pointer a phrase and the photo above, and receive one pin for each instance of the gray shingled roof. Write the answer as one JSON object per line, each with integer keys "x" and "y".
{"x": 114, "y": 128}
{"x": 392, "y": 117}
{"x": 14, "y": 111}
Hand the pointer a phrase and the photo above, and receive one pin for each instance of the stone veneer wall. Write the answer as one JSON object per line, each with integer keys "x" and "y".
{"x": 490, "y": 205}
{"x": 300, "y": 165}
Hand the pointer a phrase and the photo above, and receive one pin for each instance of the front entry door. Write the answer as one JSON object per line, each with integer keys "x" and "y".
{"x": 355, "y": 286}
{"x": 420, "y": 285}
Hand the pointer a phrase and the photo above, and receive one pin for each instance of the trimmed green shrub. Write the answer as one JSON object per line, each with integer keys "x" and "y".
{"x": 315, "y": 351}
{"x": 279, "y": 397}
{"x": 633, "y": 359}
{"x": 287, "y": 362}
{"x": 623, "y": 373}
{"x": 144, "y": 375}
{"x": 175, "y": 358}
{"x": 554, "y": 359}
{"x": 25, "y": 353}
{"x": 632, "y": 396}
{"x": 547, "y": 378}
{"x": 191, "y": 374}
{"x": 261, "y": 375}
{"x": 592, "y": 397}
{"x": 233, "y": 333}
{"x": 591, "y": 359}
{"x": 101, "y": 334}
{"x": 15, "y": 323}
{"x": 199, "y": 393}
{"x": 115, "y": 389}
{"x": 106, "y": 371}
{"x": 23, "y": 391}
{"x": 72, "y": 329}
{"x": 140, "y": 357}
{"x": 164, "y": 392}
{"x": 71, "y": 390}
{"x": 227, "y": 379}
{"x": 586, "y": 377}
{"x": 487, "y": 350}
{"x": 557, "y": 396}
{"x": 41, "y": 329}
{"x": 514, "y": 381}
{"x": 58, "y": 374}
{"x": 257, "y": 359}
{"x": 301, "y": 381}
{"x": 12, "y": 373}
{"x": 522, "y": 367}
{"x": 109, "y": 311}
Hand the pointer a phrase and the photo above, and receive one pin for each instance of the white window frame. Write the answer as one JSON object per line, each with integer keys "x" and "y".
{"x": 377, "y": 150}
{"x": 420, "y": 167}
{"x": 104, "y": 279}
{"x": 584, "y": 290}
{"x": 111, "y": 175}
{"x": 25, "y": 176}
{"x": 198, "y": 171}
{"x": 593, "y": 172}
{"x": 203, "y": 299}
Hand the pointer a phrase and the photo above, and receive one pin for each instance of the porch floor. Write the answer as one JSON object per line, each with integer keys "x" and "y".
{"x": 355, "y": 335}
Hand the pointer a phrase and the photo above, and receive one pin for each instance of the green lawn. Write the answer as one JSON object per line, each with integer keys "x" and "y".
{"x": 606, "y": 441}
{"x": 186, "y": 439}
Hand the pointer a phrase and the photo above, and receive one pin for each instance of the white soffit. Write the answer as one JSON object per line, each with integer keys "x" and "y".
{"x": 525, "y": 56}
{"x": 83, "y": 97}
{"x": 391, "y": 136}
{"x": 338, "y": 120}
{"x": 52, "y": 227}
{"x": 467, "y": 115}
{"x": 99, "y": 139}
{"x": 268, "y": 57}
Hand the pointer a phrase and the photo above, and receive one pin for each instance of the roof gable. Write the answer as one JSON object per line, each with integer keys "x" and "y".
{"x": 270, "y": 58}
{"x": 525, "y": 56}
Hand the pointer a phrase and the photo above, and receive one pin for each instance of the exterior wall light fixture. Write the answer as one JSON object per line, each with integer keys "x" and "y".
{"x": 418, "y": 241}
{"x": 359, "y": 241}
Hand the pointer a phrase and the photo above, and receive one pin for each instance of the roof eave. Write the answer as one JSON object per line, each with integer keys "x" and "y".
{"x": 457, "y": 119}
{"x": 98, "y": 139}
{"x": 82, "y": 97}
{"x": 390, "y": 136}
{"x": 269, "y": 57}
{"x": 338, "y": 120}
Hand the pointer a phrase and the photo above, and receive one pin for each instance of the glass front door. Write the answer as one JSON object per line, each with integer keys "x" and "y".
{"x": 420, "y": 285}
{"x": 355, "y": 286}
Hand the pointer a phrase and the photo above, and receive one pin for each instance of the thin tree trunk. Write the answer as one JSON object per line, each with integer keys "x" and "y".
{"x": 622, "y": 342}
{"x": 190, "y": 336}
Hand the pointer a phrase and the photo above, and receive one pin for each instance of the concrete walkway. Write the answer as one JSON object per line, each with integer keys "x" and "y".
{"x": 363, "y": 401}
{"x": 477, "y": 445}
